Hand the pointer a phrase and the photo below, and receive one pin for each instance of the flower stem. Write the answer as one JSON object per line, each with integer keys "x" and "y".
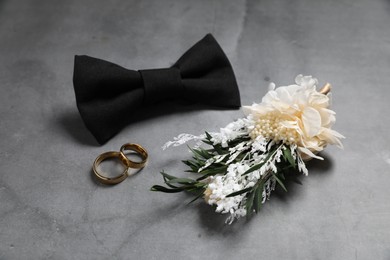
{"x": 326, "y": 89}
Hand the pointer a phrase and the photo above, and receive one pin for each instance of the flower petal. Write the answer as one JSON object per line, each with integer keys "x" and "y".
{"x": 319, "y": 100}
{"x": 247, "y": 110}
{"x": 332, "y": 136}
{"x": 309, "y": 153}
{"x": 327, "y": 117}
{"x": 269, "y": 97}
{"x": 307, "y": 82}
{"x": 311, "y": 121}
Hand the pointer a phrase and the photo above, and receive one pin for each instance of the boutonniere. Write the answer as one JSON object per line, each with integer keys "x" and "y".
{"x": 244, "y": 162}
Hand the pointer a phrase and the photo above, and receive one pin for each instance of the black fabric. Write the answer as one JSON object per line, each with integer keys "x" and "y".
{"x": 108, "y": 96}
{"x": 161, "y": 84}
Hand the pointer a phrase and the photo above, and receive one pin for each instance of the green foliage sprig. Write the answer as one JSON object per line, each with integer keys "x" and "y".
{"x": 254, "y": 195}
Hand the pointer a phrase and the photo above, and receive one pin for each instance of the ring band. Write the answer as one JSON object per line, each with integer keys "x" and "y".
{"x": 108, "y": 180}
{"x": 137, "y": 148}
{"x": 125, "y": 161}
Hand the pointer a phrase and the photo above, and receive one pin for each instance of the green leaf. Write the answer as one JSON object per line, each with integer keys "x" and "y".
{"x": 239, "y": 192}
{"x": 280, "y": 182}
{"x": 164, "y": 189}
{"x": 204, "y": 176}
{"x": 172, "y": 179}
{"x": 181, "y": 181}
{"x": 249, "y": 203}
{"x": 255, "y": 167}
{"x": 208, "y": 136}
{"x": 212, "y": 171}
{"x": 287, "y": 154}
{"x": 168, "y": 184}
{"x": 200, "y": 153}
{"x": 189, "y": 163}
{"x": 207, "y": 142}
{"x": 258, "y": 197}
{"x": 166, "y": 175}
{"x": 218, "y": 148}
{"x": 196, "y": 157}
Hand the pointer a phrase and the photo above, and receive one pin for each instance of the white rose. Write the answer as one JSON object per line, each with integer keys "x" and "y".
{"x": 296, "y": 114}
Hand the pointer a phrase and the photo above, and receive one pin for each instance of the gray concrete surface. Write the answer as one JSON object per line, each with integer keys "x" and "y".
{"x": 50, "y": 206}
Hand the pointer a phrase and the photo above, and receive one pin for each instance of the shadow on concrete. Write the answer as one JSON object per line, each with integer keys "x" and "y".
{"x": 74, "y": 125}
{"x": 294, "y": 180}
{"x": 76, "y": 129}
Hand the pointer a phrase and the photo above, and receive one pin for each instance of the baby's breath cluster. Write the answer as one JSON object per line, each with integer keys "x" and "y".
{"x": 270, "y": 127}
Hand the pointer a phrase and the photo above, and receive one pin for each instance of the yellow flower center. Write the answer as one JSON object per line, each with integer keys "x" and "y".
{"x": 269, "y": 126}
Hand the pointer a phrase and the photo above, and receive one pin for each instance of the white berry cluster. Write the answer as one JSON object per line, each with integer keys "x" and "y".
{"x": 270, "y": 127}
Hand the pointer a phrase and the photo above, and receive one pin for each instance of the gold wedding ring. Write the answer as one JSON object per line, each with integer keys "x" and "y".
{"x": 124, "y": 160}
{"x": 136, "y": 148}
{"x": 107, "y": 180}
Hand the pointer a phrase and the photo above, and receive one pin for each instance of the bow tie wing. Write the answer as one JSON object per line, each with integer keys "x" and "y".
{"x": 207, "y": 75}
{"x": 105, "y": 95}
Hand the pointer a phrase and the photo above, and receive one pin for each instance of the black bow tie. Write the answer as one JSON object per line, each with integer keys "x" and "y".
{"x": 108, "y": 96}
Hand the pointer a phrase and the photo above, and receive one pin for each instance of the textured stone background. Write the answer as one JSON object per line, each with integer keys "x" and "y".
{"x": 50, "y": 206}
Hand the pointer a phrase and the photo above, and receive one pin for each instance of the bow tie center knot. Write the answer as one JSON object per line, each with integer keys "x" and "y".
{"x": 161, "y": 84}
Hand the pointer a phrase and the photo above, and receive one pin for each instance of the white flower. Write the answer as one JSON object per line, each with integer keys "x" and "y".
{"x": 231, "y": 131}
{"x": 296, "y": 114}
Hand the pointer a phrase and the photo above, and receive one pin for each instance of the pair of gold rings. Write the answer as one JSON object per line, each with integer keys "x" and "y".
{"x": 129, "y": 164}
